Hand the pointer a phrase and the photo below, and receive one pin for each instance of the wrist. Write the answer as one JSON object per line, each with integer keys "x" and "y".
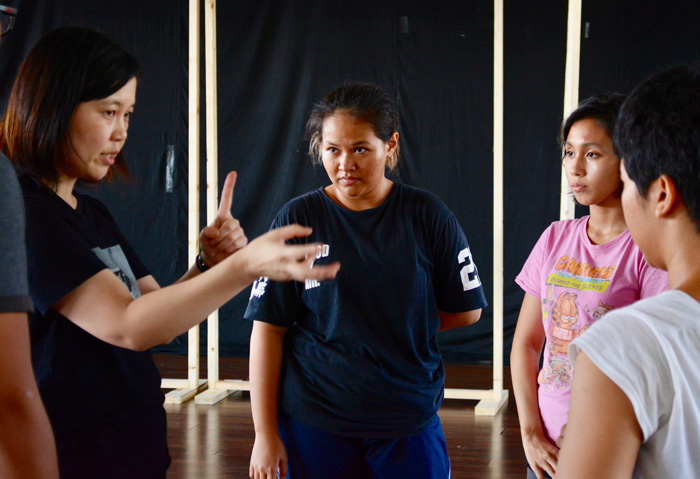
{"x": 201, "y": 265}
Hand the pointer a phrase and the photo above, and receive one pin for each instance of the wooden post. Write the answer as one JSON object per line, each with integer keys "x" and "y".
{"x": 213, "y": 394}
{"x": 573, "y": 62}
{"x": 186, "y": 389}
{"x": 499, "y": 396}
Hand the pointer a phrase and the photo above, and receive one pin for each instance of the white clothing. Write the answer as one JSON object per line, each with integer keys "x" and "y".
{"x": 651, "y": 350}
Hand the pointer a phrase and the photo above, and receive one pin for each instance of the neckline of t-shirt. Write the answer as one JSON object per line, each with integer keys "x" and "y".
{"x": 368, "y": 211}
{"x": 624, "y": 236}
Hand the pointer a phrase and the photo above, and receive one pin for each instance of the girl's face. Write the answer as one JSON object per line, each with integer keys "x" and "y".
{"x": 98, "y": 130}
{"x": 591, "y": 166}
{"x": 355, "y": 159}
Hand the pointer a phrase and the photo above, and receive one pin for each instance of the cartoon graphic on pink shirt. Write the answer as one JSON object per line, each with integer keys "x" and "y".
{"x": 565, "y": 326}
{"x": 564, "y": 323}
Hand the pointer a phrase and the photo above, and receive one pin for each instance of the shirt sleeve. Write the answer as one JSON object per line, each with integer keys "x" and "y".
{"x": 529, "y": 278}
{"x": 274, "y": 302}
{"x": 14, "y": 292}
{"x": 626, "y": 351}
{"x": 456, "y": 278}
{"x": 59, "y": 258}
{"x": 135, "y": 263}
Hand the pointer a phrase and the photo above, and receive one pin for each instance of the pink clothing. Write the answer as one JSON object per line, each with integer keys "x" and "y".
{"x": 578, "y": 282}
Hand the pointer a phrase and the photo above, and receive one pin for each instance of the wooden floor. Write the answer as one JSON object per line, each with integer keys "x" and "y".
{"x": 214, "y": 442}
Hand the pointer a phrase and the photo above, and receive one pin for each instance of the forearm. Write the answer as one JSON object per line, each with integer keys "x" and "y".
{"x": 458, "y": 320}
{"x": 266, "y": 352}
{"x": 524, "y": 363}
{"x": 159, "y": 316}
{"x": 26, "y": 440}
{"x": 189, "y": 274}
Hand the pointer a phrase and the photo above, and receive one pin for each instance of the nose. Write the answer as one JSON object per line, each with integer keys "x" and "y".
{"x": 576, "y": 165}
{"x": 345, "y": 162}
{"x": 119, "y": 133}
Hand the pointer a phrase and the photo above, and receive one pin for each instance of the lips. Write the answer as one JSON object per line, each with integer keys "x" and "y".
{"x": 576, "y": 188}
{"x": 109, "y": 158}
{"x": 348, "y": 180}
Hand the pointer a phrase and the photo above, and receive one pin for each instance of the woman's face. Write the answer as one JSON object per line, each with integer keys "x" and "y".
{"x": 355, "y": 159}
{"x": 591, "y": 166}
{"x": 98, "y": 130}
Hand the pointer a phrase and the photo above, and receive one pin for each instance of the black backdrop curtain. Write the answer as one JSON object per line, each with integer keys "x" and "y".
{"x": 276, "y": 58}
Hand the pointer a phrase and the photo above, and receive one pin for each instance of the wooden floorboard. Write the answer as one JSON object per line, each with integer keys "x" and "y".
{"x": 214, "y": 442}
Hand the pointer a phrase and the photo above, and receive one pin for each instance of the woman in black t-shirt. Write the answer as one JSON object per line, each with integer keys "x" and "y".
{"x": 98, "y": 310}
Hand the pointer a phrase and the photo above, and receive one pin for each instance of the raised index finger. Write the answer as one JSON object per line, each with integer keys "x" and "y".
{"x": 227, "y": 195}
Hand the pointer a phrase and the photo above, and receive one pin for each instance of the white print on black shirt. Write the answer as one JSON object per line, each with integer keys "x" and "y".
{"x": 114, "y": 258}
{"x": 312, "y": 283}
{"x": 259, "y": 287}
{"x": 468, "y": 273}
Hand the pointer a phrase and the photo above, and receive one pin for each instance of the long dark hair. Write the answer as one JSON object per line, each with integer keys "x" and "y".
{"x": 68, "y": 66}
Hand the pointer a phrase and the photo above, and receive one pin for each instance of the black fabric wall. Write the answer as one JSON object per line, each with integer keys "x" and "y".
{"x": 276, "y": 58}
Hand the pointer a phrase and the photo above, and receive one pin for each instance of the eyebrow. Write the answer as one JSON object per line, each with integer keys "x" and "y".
{"x": 363, "y": 142}
{"x": 591, "y": 143}
{"x": 107, "y": 101}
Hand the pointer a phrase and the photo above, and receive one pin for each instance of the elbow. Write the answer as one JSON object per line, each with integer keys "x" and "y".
{"x": 137, "y": 342}
{"x": 474, "y": 316}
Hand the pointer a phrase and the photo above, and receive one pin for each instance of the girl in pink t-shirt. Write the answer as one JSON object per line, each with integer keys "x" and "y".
{"x": 579, "y": 270}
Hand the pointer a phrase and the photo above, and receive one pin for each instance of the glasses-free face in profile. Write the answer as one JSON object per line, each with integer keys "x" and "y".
{"x": 7, "y": 19}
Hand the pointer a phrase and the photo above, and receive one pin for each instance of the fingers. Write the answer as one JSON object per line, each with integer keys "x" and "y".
{"x": 226, "y": 233}
{"x": 227, "y": 196}
{"x": 260, "y": 472}
{"x": 290, "y": 231}
{"x": 302, "y": 272}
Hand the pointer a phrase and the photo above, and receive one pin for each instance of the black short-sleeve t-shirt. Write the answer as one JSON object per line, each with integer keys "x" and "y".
{"x": 361, "y": 356}
{"x": 103, "y": 401}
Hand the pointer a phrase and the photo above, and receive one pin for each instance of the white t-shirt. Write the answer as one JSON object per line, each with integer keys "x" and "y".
{"x": 651, "y": 350}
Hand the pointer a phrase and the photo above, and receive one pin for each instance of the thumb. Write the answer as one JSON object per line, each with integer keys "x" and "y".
{"x": 210, "y": 232}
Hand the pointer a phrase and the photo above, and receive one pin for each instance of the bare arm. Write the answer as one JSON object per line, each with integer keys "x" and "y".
{"x": 524, "y": 363}
{"x": 26, "y": 441}
{"x": 103, "y": 307}
{"x": 458, "y": 320}
{"x": 266, "y": 349}
{"x": 602, "y": 436}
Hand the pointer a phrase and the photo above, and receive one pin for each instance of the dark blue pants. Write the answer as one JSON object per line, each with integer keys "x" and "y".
{"x": 313, "y": 452}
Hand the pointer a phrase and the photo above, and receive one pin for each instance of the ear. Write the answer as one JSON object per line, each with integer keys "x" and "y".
{"x": 664, "y": 194}
{"x": 392, "y": 144}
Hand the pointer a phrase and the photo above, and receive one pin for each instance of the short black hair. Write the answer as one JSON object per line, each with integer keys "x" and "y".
{"x": 658, "y": 133}
{"x": 68, "y": 66}
{"x": 602, "y": 108}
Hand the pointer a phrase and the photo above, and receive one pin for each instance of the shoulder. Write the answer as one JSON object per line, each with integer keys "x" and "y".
{"x": 423, "y": 206}
{"x": 570, "y": 227}
{"x": 640, "y": 325}
{"x": 308, "y": 205}
{"x": 419, "y": 197}
{"x": 306, "y": 200}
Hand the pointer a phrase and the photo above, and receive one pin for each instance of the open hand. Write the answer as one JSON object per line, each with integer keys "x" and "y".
{"x": 269, "y": 255}
{"x": 225, "y": 235}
